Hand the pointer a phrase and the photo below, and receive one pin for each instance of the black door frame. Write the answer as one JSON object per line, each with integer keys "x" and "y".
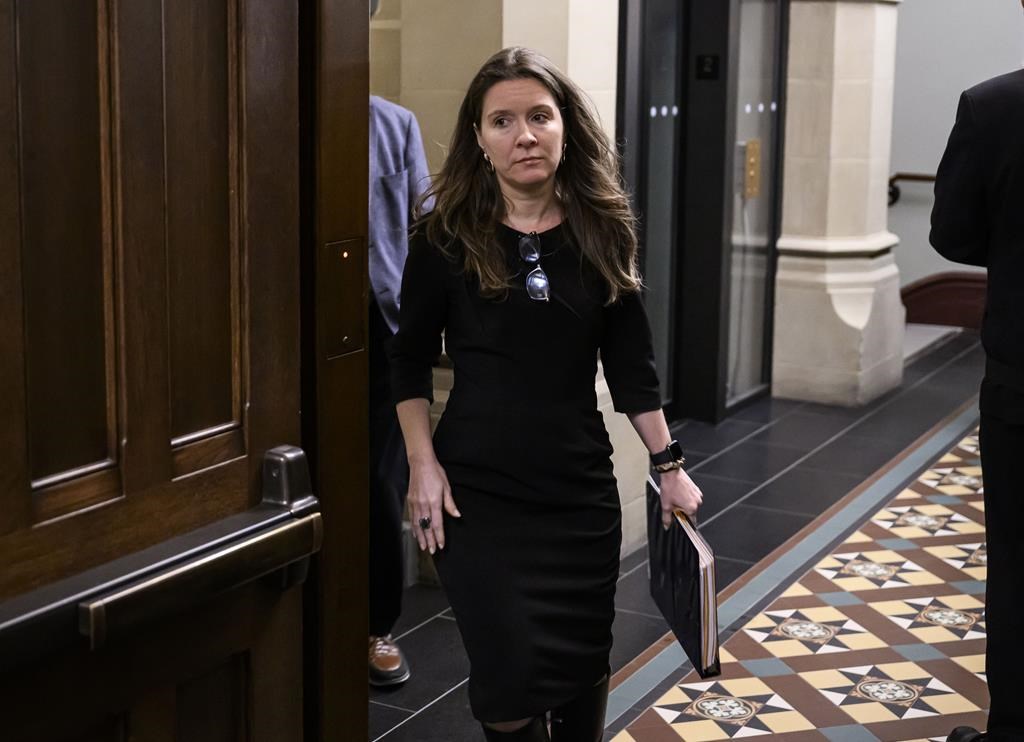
{"x": 634, "y": 93}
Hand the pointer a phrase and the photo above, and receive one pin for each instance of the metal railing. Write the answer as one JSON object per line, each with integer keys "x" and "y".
{"x": 894, "y": 189}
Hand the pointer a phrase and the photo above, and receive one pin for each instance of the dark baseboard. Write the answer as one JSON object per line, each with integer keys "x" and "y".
{"x": 956, "y": 299}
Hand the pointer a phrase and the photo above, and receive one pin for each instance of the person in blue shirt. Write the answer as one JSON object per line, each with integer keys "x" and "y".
{"x": 398, "y": 176}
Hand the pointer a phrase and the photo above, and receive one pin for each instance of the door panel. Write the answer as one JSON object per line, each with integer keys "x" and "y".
{"x": 15, "y": 512}
{"x": 202, "y": 254}
{"x": 107, "y": 731}
{"x": 152, "y": 683}
{"x": 66, "y": 273}
{"x": 160, "y": 284}
{"x": 213, "y": 707}
{"x": 149, "y": 310}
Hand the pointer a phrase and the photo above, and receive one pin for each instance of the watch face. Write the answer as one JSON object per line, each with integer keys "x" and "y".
{"x": 676, "y": 450}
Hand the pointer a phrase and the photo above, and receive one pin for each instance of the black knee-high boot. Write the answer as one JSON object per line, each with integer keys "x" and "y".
{"x": 535, "y": 731}
{"x": 582, "y": 719}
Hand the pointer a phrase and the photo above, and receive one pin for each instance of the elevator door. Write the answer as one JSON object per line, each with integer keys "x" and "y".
{"x": 755, "y": 198}
{"x": 700, "y": 91}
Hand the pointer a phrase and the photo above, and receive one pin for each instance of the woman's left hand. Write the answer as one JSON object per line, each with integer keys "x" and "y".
{"x": 678, "y": 492}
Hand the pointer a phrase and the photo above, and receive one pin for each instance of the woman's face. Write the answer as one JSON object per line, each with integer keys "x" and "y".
{"x": 521, "y": 131}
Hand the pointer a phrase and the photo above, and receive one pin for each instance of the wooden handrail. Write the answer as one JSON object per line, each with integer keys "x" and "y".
{"x": 894, "y": 190}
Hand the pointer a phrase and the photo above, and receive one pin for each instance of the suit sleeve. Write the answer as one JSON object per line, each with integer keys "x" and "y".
{"x": 960, "y": 230}
{"x": 416, "y": 164}
{"x": 627, "y": 354}
{"x": 416, "y": 346}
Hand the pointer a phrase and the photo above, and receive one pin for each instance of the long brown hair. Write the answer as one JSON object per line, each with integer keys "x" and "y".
{"x": 468, "y": 203}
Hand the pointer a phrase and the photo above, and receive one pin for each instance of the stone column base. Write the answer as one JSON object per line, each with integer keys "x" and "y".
{"x": 839, "y": 326}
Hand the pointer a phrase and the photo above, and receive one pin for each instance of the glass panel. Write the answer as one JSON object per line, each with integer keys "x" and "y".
{"x": 660, "y": 107}
{"x": 754, "y": 195}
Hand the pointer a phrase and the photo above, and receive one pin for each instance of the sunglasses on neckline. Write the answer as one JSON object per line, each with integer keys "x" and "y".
{"x": 537, "y": 286}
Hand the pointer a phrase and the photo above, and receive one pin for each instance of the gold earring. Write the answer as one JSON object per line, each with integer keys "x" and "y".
{"x": 566, "y": 144}
{"x": 490, "y": 165}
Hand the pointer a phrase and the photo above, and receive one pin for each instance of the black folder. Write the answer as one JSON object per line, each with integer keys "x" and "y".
{"x": 682, "y": 567}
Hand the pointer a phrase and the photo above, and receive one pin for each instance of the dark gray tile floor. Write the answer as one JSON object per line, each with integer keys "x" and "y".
{"x": 765, "y": 472}
{"x": 803, "y": 491}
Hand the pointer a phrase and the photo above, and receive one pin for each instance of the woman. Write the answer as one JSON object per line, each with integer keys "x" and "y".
{"x": 527, "y": 264}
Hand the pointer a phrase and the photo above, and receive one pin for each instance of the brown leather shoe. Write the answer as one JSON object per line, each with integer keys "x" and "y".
{"x": 387, "y": 663}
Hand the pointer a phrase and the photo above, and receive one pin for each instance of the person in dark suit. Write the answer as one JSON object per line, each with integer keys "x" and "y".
{"x": 978, "y": 219}
{"x": 398, "y": 175}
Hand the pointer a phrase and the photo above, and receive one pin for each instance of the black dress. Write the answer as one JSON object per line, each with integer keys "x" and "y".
{"x": 530, "y": 569}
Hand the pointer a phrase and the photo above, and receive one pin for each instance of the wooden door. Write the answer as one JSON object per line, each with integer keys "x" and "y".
{"x": 150, "y": 327}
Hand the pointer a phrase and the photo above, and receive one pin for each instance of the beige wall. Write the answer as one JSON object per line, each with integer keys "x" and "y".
{"x": 580, "y": 36}
{"x": 386, "y": 51}
{"x": 423, "y": 53}
{"x": 539, "y": 24}
{"x": 444, "y": 42}
{"x": 593, "y": 54}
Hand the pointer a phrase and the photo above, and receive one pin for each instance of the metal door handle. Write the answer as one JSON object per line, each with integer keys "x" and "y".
{"x": 283, "y": 547}
{"x": 199, "y": 579}
{"x": 276, "y": 536}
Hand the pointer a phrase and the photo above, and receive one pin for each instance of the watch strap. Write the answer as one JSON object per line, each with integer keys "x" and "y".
{"x": 670, "y": 458}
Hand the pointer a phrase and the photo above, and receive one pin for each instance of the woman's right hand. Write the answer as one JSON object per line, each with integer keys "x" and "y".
{"x": 679, "y": 491}
{"x": 429, "y": 491}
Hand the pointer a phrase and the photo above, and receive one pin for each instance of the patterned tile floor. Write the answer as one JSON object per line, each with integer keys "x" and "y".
{"x": 882, "y": 640}
{"x": 752, "y": 507}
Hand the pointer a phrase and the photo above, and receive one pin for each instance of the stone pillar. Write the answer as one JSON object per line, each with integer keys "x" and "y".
{"x": 839, "y": 320}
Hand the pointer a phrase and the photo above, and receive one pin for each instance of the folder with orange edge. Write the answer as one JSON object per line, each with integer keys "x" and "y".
{"x": 682, "y": 569}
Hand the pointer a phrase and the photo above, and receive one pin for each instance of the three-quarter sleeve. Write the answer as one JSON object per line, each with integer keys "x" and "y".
{"x": 627, "y": 354}
{"x": 416, "y": 346}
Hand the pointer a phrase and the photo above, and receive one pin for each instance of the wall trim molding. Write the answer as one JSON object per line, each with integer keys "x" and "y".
{"x": 836, "y": 2}
{"x": 839, "y": 247}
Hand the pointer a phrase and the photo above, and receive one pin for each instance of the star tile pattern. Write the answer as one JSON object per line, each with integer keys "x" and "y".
{"x": 971, "y": 559}
{"x": 876, "y": 693}
{"x": 925, "y": 520}
{"x": 729, "y": 709}
{"x": 872, "y": 570}
{"x": 819, "y": 630}
{"x": 947, "y": 618}
{"x": 877, "y": 639}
